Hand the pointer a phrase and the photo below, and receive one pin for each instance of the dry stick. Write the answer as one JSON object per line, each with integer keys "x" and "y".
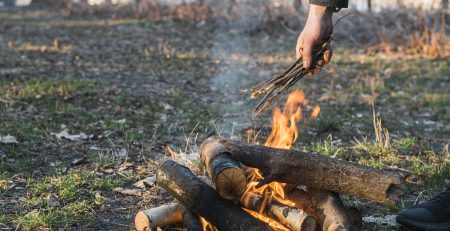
{"x": 316, "y": 171}
{"x": 264, "y": 104}
{"x": 327, "y": 208}
{"x": 271, "y": 80}
{"x": 200, "y": 198}
{"x": 165, "y": 215}
{"x": 283, "y": 81}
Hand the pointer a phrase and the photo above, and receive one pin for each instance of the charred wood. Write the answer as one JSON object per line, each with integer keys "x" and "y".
{"x": 200, "y": 198}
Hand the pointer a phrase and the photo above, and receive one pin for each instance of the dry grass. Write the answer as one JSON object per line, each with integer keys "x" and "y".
{"x": 396, "y": 32}
{"x": 399, "y": 32}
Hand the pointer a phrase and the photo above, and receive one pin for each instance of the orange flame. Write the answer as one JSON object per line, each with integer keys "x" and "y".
{"x": 271, "y": 222}
{"x": 315, "y": 112}
{"x": 283, "y": 135}
{"x": 284, "y": 124}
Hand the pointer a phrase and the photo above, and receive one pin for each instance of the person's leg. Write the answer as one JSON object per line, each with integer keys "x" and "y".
{"x": 433, "y": 215}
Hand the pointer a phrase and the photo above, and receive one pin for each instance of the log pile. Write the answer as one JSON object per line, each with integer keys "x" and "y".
{"x": 223, "y": 201}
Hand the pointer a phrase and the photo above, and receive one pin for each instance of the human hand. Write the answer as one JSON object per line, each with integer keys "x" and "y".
{"x": 319, "y": 26}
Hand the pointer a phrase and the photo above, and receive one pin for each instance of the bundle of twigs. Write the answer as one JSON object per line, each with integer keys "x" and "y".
{"x": 279, "y": 84}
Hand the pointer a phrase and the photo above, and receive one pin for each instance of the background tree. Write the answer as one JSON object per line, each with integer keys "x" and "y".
{"x": 444, "y": 4}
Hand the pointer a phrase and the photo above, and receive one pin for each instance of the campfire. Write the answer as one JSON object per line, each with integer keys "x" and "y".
{"x": 268, "y": 187}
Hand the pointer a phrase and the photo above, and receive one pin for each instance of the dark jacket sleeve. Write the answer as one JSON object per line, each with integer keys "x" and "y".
{"x": 330, "y": 3}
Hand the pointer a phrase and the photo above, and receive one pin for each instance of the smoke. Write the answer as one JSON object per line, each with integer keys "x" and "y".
{"x": 233, "y": 45}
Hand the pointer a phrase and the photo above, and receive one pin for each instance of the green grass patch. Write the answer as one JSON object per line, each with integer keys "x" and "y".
{"x": 75, "y": 195}
{"x": 326, "y": 148}
{"x": 38, "y": 88}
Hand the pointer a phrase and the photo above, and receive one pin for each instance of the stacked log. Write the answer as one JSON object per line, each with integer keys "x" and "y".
{"x": 221, "y": 198}
{"x": 315, "y": 171}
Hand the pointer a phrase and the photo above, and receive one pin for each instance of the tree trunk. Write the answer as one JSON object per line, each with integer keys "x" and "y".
{"x": 316, "y": 171}
{"x": 204, "y": 200}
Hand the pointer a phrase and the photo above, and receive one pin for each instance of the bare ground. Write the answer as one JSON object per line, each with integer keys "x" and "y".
{"x": 139, "y": 85}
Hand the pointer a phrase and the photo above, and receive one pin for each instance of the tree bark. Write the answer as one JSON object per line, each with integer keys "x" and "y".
{"x": 227, "y": 175}
{"x": 200, "y": 198}
{"x": 165, "y": 215}
{"x": 316, "y": 171}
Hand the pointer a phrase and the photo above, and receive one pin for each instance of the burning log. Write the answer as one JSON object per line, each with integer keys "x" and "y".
{"x": 227, "y": 175}
{"x": 165, "y": 215}
{"x": 204, "y": 200}
{"x": 328, "y": 209}
{"x": 292, "y": 218}
{"x": 316, "y": 171}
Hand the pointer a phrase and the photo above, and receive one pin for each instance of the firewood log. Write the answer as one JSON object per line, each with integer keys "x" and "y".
{"x": 290, "y": 217}
{"x": 327, "y": 208}
{"x": 316, "y": 171}
{"x": 200, "y": 198}
{"x": 165, "y": 215}
{"x": 293, "y": 218}
{"x": 226, "y": 174}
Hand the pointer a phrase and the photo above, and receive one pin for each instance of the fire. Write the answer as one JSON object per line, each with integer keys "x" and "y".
{"x": 206, "y": 225}
{"x": 271, "y": 222}
{"x": 284, "y": 124}
{"x": 283, "y": 135}
{"x": 315, "y": 112}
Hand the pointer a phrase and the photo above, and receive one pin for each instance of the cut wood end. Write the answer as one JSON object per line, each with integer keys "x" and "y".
{"x": 141, "y": 222}
{"x": 231, "y": 183}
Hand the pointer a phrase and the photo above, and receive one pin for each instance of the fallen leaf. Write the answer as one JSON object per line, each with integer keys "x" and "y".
{"x": 8, "y": 139}
{"x": 125, "y": 166}
{"x": 147, "y": 182}
{"x": 64, "y": 134}
{"x": 107, "y": 170}
{"x": 128, "y": 192}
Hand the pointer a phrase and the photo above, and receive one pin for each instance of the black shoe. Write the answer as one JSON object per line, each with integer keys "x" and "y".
{"x": 433, "y": 215}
